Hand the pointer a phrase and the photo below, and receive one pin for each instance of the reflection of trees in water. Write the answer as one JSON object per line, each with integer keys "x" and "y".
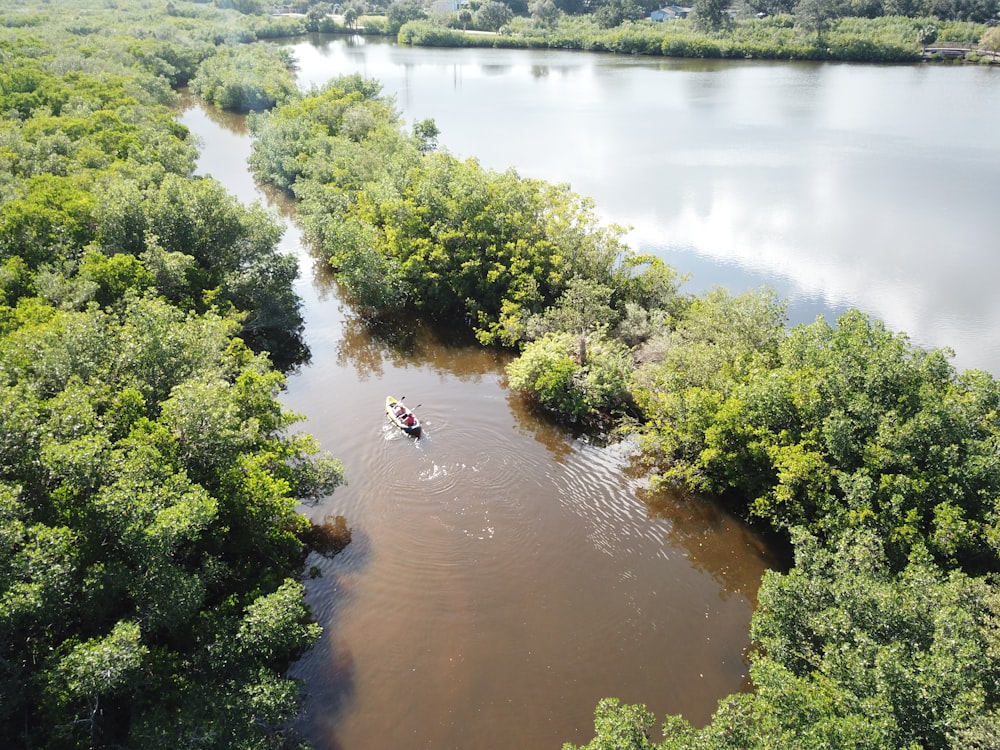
{"x": 531, "y": 420}
{"x": 233, "y": 122}
{"x": 494, "y": 70}
{"x": 328, "y": 537}
{"x": 331, "y": 692}
{"x": 323, "y": 281}
{"x": 716, "y": 542}
{"x": 287, "y": 349}
{"x": 274, "y": 320}
{"x": 369, "y": 344}
{"x": 713, "y": 540}
{"x": 328, "y": 665}
{"x": 282, "y": 203}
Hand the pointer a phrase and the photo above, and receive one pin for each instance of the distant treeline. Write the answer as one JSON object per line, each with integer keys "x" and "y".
{"x": 844, "y": 30}
{"x": 895, "y": 39}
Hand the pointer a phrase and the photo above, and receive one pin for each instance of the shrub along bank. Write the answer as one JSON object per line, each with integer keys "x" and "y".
{"x": 890, "y": 39}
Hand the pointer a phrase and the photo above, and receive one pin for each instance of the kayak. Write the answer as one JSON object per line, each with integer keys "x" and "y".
{"x": 401, "y": 416}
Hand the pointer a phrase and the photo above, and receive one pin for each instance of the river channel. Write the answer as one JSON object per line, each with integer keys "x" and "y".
{"x": 504, "y": 575}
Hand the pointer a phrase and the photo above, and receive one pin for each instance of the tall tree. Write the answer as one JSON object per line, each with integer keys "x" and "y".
{"x": 493, "y": 15}
{"x": 615, "y": 12}
{"x": 402, "y": 11}
{"x": 711, "y": 14}
{"x": 814, "y": 15}
{"x": 544, "y": 12}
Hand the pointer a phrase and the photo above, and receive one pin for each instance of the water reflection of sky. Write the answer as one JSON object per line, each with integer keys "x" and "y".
{"x": 837, "y": 185}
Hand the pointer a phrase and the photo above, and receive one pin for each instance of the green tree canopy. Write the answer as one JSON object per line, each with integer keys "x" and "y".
{"x": 711, "y": 14}
{"x": 149, "y": 482}
{"x": 148, "y": 501}
{"x": 544, "y": 12}
{"x": 401, "y": 11}
{"x": 245, "y": 78}
{"x": 840, "y": 427}
{"x": 493, "y": 15}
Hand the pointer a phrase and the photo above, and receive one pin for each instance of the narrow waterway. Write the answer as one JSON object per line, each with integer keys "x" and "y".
{"x": 503, "y": 575}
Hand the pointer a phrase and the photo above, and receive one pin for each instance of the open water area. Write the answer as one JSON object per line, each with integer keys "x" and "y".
{"x": 505, "y": 574}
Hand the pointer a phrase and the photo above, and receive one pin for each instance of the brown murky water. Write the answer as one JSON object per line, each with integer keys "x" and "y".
{"x": 504, "y": 575}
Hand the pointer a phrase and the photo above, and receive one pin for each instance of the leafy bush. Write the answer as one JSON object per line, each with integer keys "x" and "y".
{"x": 429, "y": 34}
{"x": 574, "y": 375}
{"x": 245, "y": 78}
{"x": 634, "y": 39}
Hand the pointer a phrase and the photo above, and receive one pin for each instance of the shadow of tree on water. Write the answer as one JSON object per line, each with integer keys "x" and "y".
{"x": 328, "y": 667}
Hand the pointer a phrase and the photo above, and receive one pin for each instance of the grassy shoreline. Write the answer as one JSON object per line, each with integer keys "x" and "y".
{"x": 883, "y": 40}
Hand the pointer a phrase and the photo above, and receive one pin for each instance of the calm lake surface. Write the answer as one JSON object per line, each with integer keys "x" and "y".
{"x": 876, "y": 187}
{"x": 505, "y": 575}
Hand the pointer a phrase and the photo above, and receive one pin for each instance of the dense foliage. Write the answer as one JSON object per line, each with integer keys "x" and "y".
{"x": 574, "y": 376}
{"x": 149, "y": 530}
{"x": 616, "y": 27}
{"x": 149, "y": 534}
{"x": 708, "y": 14}
{"x": 843, "y": 426}
{"x": 245, "y": 78}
